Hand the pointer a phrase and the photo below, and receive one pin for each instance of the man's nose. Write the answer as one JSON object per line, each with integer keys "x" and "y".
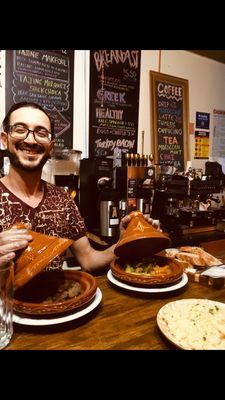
{"x": 30, "y": 137}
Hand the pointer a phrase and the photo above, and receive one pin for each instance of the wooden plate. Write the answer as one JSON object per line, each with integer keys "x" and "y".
{"x": 29, "y": 299}
{"x": 148, "y": 280}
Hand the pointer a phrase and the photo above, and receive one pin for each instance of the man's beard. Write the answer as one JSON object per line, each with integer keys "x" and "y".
{"x": 14, "y": 160}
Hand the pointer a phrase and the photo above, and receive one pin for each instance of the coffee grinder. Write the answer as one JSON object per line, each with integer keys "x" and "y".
{"x": 108, "y": 208}
{"x": 96, "y": 177}
{"x": 135, "y": 182}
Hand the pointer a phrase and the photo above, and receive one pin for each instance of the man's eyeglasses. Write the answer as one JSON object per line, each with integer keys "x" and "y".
{"x": 19, "y": 131}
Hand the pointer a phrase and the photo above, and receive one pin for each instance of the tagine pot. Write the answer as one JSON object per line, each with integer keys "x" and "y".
{"x": 140, "y": 239}
{"x": 37, "y": 255}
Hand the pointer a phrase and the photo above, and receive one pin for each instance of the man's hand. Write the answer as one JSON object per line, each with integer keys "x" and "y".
{"x": 10, "y": 241}
{"x": 125, "y": 221}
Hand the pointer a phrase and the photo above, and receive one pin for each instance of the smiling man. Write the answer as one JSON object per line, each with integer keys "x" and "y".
{"x": 28, "y": 148}
{"x": 28, "y": 136}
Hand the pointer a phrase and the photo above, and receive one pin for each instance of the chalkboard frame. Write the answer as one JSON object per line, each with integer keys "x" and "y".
{"x": 154, "y": 78}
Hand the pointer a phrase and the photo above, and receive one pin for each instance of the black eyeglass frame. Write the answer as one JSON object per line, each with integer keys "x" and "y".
{"x": 49, "y": 137}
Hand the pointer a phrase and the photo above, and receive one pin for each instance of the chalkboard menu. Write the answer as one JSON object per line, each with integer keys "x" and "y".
{"x": 44, "y": 77}
{"x": 114, "y": 101}
{"x": 169, "y": 111}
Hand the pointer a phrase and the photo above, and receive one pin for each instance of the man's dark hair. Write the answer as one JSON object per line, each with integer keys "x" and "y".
{"x": 22, "y": 104}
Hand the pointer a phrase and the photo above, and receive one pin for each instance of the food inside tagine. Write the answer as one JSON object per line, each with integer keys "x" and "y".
{"x": 66, "y": 290}
{"x": 148, "y": 266}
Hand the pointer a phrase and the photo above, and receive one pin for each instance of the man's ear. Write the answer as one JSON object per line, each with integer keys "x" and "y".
{"x": 4, "y": 140}
{"x": 51, "y": 147}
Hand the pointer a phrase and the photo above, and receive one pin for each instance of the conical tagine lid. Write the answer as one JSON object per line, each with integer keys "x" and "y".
{"x": 140, "y": 239}
{"x": 37, "y": 255}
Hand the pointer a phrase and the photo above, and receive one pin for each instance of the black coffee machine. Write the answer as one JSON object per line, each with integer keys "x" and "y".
{"x": 169, "y": 194}
{"x": 99, "y": 201}
{"x": 134, "y": 180}
{"x": 188, "y": 203}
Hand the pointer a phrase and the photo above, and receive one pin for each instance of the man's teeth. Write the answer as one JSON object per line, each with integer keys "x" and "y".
{"x": 29, "y": 151}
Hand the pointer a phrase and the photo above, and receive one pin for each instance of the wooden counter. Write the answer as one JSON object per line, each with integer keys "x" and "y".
{"x": 124, "y": 320}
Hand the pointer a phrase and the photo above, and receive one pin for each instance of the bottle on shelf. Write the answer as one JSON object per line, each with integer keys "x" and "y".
{"x": 151, "y": 158}
{"x": 132, "y": 161}
{"x": 145, "y": 160}
{"x": 127, "y": 159}
{"x": 141, "y": 160}
{"x": 137, "y": 159}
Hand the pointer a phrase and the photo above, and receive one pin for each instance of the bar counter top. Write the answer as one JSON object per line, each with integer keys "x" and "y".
{"x": 124, "y": 320}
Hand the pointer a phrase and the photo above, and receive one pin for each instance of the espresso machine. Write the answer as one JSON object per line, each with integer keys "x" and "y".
{"x": 99, "y": 200}
{"x": 134, "y": 180}
{"x": 189, "y": 202}
{"x": 108, "y": 208}
{"x": 112, "y": 187}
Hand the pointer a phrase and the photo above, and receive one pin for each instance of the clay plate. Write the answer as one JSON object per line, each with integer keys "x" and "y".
{"x": 29, "y": 298}
{"x": 149, "y": 280}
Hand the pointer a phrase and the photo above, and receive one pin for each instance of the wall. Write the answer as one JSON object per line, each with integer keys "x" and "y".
{"x": 206, "y": 91}
{"x": 2, "y": 86}
{"x": 81, "y": 101}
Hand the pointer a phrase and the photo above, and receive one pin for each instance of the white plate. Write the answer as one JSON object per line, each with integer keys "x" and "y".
{"x": 193, "y": 324}
{"x": 60, "y": 320}
{"x": 171, "y": 288}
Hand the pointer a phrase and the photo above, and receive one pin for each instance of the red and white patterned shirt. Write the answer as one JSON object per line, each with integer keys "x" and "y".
{"x": 56, "y": 215}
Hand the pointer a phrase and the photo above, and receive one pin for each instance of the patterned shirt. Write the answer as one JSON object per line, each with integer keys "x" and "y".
{"x": 56, "y": 215}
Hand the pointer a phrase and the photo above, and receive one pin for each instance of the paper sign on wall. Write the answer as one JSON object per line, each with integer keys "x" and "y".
{"x": 202, "y": 120}
{"x": 201, "y": 145}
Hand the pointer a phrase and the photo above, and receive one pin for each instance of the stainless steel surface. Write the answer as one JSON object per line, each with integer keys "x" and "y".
{"x": 143, "y": 205}
{"x": 109, "y": 218}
